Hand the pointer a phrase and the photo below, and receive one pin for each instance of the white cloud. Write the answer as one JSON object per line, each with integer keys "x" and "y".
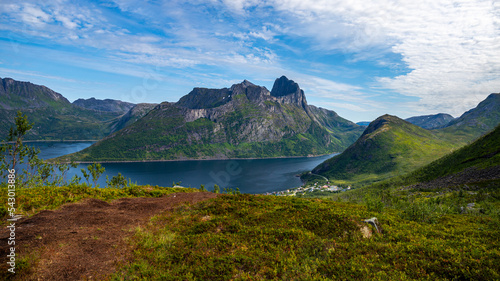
{"x": 7, "y": 72}
{"x": 450, "y": 47}
{"x": 34, "y": 15}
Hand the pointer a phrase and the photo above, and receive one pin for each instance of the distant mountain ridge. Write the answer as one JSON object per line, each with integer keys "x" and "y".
{"x": 430, "y": 122}
{"x": 135, "y": 113}
{"x": 108, "y": 105}
{"x": 242, "y": 121}
{"x": 55, "y": 118}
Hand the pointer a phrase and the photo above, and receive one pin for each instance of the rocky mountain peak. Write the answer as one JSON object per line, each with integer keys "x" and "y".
{"x": 284, "y": 86}
{"x": 287, "y": 91}
{"x": 247, "y": 83}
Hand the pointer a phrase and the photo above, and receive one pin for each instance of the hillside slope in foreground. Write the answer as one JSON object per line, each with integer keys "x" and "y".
{"x": 248, "y": 237}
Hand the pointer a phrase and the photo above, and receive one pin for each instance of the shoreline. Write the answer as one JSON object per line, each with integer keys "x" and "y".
{"x": 203, "y": 159}
{"x": 60, "y": 141}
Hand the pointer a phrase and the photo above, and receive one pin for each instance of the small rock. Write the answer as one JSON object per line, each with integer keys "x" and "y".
{"x": 374, "y": 221}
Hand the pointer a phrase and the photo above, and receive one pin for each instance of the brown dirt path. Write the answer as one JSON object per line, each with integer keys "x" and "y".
{"x": 85, "y": 240}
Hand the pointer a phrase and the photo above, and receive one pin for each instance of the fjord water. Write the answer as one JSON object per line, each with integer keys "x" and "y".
{"x": 250, "y": 176}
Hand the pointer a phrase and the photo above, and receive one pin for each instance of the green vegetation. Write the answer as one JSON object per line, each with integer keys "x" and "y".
{"x": 481, "y": 154}
{"x": 246, "y": 237}
{"x": 468, "y": 176}
{"x": 66, "y": 122}
{"x": 14, "y": 147}
{"x": 388, "y": 147}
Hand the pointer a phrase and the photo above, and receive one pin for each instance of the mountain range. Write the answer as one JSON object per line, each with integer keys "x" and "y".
{"x": 389, "y": 146}
{"x": 55, "y": 118}
{"x": 243, "y": 121}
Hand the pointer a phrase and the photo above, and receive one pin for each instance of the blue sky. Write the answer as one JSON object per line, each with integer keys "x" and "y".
{"x": 359, "y": 58}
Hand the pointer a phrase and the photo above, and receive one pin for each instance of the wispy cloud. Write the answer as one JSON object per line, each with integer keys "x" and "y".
{"x": 8, "y": 72}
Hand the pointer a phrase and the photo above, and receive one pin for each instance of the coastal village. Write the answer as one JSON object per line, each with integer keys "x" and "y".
{"x": 302, "y": 190}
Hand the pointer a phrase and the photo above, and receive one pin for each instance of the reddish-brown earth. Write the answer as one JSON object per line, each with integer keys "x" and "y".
{"x": 84, "y": 240}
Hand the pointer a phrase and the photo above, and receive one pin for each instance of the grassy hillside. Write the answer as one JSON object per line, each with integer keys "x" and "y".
{"x": 423, "y": 235}
{"x": 388, "y": 147}
{"x": 481, "y": 154}
{"x": 248, "y": 237}
{"x": 131, "y": 116}
{"x": 62, "y": 123}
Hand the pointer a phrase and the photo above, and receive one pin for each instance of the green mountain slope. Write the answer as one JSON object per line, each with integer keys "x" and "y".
{"x": 388, "y": 147}
{"x": 475, "y": 122}
{"x": 483, "y": 154}
{"x": 464, "y": 182}
{"x": 54, "y": 116}
{"x": 238, "y": 122}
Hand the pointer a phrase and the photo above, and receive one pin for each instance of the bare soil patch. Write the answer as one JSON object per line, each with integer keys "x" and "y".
{"x": 85, "y": 240}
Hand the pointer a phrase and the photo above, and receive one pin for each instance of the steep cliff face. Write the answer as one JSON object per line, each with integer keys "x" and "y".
{"x": 287, "y": 91}
{"x": 244, "y": 120}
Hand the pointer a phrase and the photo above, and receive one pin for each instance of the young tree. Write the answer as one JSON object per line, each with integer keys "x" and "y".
{"x": 13, "y": 146}
{"x": 118, "y": 181}
{"x": 95, "y": 171}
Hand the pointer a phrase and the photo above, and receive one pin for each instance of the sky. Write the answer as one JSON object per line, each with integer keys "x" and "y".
{"x": 359, "y": 58}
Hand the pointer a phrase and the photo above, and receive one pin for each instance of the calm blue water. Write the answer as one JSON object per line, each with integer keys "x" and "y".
{"x": 250, "y": 176}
